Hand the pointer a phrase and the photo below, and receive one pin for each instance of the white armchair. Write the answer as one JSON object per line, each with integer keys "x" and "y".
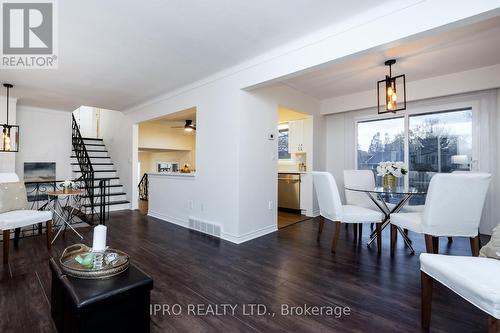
{"x": 453, "y": 208}
{"x": 473, "y": 278}
{"x": 17, "y": 219}
{"x": 331, "y": 208}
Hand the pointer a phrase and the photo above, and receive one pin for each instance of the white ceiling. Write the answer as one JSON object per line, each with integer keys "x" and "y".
{"x": 176, "y": 118}
{"x": 465, "y": 48}
{"x": 117, "y": 53}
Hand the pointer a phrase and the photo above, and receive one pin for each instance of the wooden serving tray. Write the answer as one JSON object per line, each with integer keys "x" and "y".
{"x": 109, "y": 267}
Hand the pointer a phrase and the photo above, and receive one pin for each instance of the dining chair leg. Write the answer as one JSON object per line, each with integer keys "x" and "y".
{"x": 347, "y": 226}
{"x": 450, "y": 239}
{"x": 6, "y": 239}
{"x": 355, "y": 232}
{"x": 17, "y": 234}
{"x": 428, "y": 243}
{"x": 336, "y": 234}
{"x": 360, "y": 232}
{"x": 394, "y": 237}
{"x": 379, "y": 237}
{"x": 474, "y": 246}
{"x": 371, "y": 226}
{"x": 435, "y": 245}
{"x": 493, "y": 325}
{"x": 40, "y": 228}
{"x": 49, "y": 234}
{"x": 426, "y": 300}
{"x": 320, "y": 227}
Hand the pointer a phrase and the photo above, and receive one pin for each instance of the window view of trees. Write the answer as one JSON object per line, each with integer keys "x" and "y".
{"x": 283, "y": 153}
{"x": 380, "y": 140}
{"x": 438, "y": 142}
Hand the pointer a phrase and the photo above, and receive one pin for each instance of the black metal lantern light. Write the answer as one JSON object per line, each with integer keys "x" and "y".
{"x": 10, "y": 133}
{"x": 391, "y": 92}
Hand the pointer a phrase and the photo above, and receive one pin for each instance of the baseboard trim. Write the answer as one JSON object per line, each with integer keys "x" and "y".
{"x": 224, "y": 235}
{"x": 249, "y": 235}
{"x": 169, "y": 219}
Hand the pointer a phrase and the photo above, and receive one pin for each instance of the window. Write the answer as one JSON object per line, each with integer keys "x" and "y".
{"x": 437, "y": 142}
{"x": 283, "y": 153}
{"x": 380, "y": 140}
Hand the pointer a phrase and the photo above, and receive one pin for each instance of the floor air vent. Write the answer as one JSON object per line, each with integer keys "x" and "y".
{"x": 205, "y": 227}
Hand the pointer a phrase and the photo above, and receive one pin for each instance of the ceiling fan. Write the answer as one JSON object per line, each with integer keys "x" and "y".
{"x": 188, "y": 127}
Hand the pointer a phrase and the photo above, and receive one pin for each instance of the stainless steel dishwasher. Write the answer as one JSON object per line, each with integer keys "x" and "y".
{"x": 289, "y": 190}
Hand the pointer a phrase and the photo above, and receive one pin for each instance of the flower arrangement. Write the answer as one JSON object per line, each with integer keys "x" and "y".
{"x": 68, "y": 184}
{"x": 389, "y": 168}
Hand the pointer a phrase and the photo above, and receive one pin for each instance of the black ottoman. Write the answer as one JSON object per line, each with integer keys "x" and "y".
{"x": 116, "y": 304}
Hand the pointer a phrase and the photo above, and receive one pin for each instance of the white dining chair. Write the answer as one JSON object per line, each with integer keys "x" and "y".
{"x": 475, "y": 279}
{"x": 331, "y": 208}
{"x": 363, "y": 179}
{"x": 17, "y": 219}
{"x": 453, "y": 208}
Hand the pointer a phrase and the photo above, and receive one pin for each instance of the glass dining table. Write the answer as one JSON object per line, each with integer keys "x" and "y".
{"x": 390, "y": 201}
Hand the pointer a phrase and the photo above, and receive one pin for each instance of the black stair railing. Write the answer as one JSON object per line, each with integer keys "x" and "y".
{"x": 104, "y": 192}
{"x": 143, "y": 187}
{"x": 83, "y": 159}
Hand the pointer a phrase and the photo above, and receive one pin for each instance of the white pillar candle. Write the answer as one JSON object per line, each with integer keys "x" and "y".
{"x": 99, "y": 243}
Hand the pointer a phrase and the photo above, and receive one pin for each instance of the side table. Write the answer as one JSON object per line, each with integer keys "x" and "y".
{"x": 62, "y": 215}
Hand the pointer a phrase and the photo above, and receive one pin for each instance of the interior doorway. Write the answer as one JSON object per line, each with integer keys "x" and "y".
{"x": 294, "y": 156}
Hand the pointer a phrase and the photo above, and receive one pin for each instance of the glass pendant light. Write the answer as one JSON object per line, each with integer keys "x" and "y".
{"x": 10, "y": 133}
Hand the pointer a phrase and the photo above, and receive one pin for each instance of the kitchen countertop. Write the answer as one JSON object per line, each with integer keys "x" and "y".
{"x": 172, "y": 174}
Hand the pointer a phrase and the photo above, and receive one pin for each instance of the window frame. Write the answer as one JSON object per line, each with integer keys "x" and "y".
{"x": 423, "y": 110}
{"x": 287, "y": 124}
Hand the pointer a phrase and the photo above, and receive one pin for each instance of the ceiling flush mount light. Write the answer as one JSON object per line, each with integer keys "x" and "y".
{"x": 189, "y": 127}
{"x": 10, "y": 133}
{"x": 391, "y": 91}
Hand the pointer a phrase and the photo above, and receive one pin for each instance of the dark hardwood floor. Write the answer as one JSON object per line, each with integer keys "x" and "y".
{"x": 285, "y": 267}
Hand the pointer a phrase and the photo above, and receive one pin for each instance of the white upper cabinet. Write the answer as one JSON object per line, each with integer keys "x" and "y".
{"x": 296, "y": 137}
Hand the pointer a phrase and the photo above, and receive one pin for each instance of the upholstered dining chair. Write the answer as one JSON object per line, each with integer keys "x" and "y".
{"x": 331, "y": 208}
{"x": 14, "y": 213}
{"x": 453, "y": 208}
{"x": 363, "y": 179}
{"x": 475, "y": 279}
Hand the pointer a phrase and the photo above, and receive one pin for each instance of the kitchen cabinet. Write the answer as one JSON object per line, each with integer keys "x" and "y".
{"x": 296, "y": 137}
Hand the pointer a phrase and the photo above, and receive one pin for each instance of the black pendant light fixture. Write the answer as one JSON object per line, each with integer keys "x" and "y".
{"x": 391, "y": 91}
{"x": 10, "y": 133}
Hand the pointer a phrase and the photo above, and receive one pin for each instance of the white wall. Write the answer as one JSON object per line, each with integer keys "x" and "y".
{"x": 236, "y": 175}
{"x": 158, "y": 135}
{"x": 258, "y": 155}
{"x": 214, "y": 189}
{"x": 8, "y": 160}
{"x": 45, "y": 136}
{"x": 120, "y": 137}
{"x": 87, "y": 121}
{"x": 457, "y": 83}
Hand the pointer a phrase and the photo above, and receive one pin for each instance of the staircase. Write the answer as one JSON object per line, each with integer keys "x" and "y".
{"x": 103, "y": 168}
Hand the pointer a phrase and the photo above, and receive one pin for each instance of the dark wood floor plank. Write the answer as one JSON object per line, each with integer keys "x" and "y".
{"x": 286, "y": 267}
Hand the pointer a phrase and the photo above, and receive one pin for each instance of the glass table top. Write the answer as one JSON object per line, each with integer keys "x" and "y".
{"x": 382, "y": 190}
